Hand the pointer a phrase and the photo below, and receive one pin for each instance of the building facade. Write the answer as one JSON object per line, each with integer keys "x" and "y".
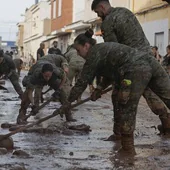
{"x": 37, "y": 25}
{"x": 154, "y": 16}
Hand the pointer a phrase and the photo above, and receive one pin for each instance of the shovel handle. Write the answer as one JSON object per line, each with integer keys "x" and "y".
{"x": 48, "y": 117}
{"x": 39, "y": 108}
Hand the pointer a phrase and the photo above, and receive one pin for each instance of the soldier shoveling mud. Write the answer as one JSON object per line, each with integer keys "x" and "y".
{"x": 7, "y": 69}
{"x": 40, "y": 74}
{"x": 122, "y": 65}
{"x": 121, "y": 25}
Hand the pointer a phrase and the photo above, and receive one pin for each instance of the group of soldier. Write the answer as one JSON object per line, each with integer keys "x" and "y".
{"x": 124, "y": 55}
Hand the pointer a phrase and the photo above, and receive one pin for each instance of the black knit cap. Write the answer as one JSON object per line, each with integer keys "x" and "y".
{"x": 47, "y": 67}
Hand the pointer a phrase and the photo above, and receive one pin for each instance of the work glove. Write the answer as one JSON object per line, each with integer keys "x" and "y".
{"x": 34, "y": 110}
{"x": 66, "y": 107}
{"x": 56, "y": 94}
{"x": 96, "y": 94}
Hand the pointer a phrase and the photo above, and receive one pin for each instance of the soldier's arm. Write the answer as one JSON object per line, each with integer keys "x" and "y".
{"x": 64, "y": 64}
{"x": 108, "y": 31}
{"x": 104, "y": 83}
{"x": 87, "y": 75}
{"x": 15, "y": 82}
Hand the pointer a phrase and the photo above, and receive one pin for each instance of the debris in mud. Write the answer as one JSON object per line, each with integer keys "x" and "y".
{"x": 18, "y": 168}
{"x": 71, "y": 153}
{"x": 3, "y": 151}
{"x": 6, "y": 143}
{"x": 81, "y": 127}
{"x": 21, "y": 153}
{"x": 7, "y": 125}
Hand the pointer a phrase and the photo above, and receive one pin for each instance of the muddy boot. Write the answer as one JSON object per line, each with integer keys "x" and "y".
{"x": 127, "y": 141}
{"x": 165, "y": 127}
{"x": 21, "y": 117}
{"x": 69, "y": 117}
{"x": 114, "y": 137}
{"x": 116, "y": 133}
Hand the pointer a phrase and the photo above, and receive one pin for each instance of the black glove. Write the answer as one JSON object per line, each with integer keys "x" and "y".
{"x": 34, "y": 110}
{"x": 96, "y": 94}
{"x": 56, "y": 94}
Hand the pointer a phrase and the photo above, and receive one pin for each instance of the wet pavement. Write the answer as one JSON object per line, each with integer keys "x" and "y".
{"x": 59, "y": 148}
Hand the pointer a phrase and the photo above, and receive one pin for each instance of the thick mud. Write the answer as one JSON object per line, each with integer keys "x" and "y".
{"x": 54, "y": 146}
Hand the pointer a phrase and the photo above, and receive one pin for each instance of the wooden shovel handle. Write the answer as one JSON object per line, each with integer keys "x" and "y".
{"x": 47, "y": 117}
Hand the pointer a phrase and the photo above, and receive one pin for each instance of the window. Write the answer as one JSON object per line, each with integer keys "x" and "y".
{"x": 59, "y": 7}
{"x": 54, "y": 9}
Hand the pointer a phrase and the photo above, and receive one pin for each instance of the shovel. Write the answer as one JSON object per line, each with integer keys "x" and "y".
{"x": 6, "y": 140}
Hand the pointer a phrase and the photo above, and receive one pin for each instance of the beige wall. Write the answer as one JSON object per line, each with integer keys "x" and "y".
{"x": 146, "y": 4}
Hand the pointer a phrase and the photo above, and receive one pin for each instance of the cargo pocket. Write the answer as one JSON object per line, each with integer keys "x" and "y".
{"x": 124, "y": 92}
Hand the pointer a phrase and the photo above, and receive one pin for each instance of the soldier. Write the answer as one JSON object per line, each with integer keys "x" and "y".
{"x": 120, "y": 25}
{"x": 124, "y": 64}
{"x": 7, "y": 69}
{"x": 39, "y": 75}
{"x": 76, "y": 63}
{"x": 18, "y": 64}
{"x": 57, "y": 60}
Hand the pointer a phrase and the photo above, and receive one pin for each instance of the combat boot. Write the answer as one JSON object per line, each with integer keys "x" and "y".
{"x": 21, "y": 117}
{"x": 116, "y": 135}
{"x": 165, "y": 127}
{"x": 69, "y": 117}
{"x": 127, "y": 141}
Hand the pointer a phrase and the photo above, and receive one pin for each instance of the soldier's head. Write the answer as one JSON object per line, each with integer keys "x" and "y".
{"x": 42, "y": 45}
{"x": 83, "y": 42}
{"x": 168, "y": 49}
{"x": 1, "y": 55}
{"x": 101, "y": 7}
{"x": 47, "y": 71}
{"x": 55, "y": 44}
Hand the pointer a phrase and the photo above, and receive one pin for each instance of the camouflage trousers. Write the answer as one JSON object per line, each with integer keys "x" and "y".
{"x": 63, "y": 95}
{"x": 155, "y": 87}
{"x": 74, "y": 72}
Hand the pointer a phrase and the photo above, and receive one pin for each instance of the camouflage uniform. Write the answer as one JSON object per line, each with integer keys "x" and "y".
{"x": 18, "y": 64}
{"x": 76, "y": 64}
{"x": 118, "y": 62}
{"x": 121, "y": 25}
{"x": 57, "y": 60}
{"x": 34, "y": 80}
{"x": 7, "y": 68}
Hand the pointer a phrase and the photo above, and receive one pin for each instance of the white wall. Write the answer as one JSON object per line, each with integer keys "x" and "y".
{"x": 78, "y": 10}
{"x": 158, "y": 26}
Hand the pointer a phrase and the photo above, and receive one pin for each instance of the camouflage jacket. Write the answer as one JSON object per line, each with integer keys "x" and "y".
{"x": 35, "y": 77}
{"x": 7, "y": 66}
{"x": 57, "y": 60}
{"x": 73, "y": 58}
{"x": 122, "y": 26}
{"x": 110, "y": 60}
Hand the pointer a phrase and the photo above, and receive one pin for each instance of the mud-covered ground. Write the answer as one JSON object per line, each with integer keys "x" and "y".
{"x": 58, "y": 148}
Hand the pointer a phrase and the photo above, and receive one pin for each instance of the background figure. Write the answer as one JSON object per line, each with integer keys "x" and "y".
{"x": 7, "y": 69}
{"x": 156, "y": 53}
{"x": 40, "y": 51}
{"x": 54, "y": 49}
{"x": 31, "y": 61}
{"x": 75, "y": 62}
{"x": 18, "y": 64}
{"x": 166, "y": 60}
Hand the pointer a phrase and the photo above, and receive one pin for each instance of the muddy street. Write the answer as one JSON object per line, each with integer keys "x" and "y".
{"x": 53, "y": 146}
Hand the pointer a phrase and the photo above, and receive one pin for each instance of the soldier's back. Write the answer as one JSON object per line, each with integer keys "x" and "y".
{"x": 121, "y": 25}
